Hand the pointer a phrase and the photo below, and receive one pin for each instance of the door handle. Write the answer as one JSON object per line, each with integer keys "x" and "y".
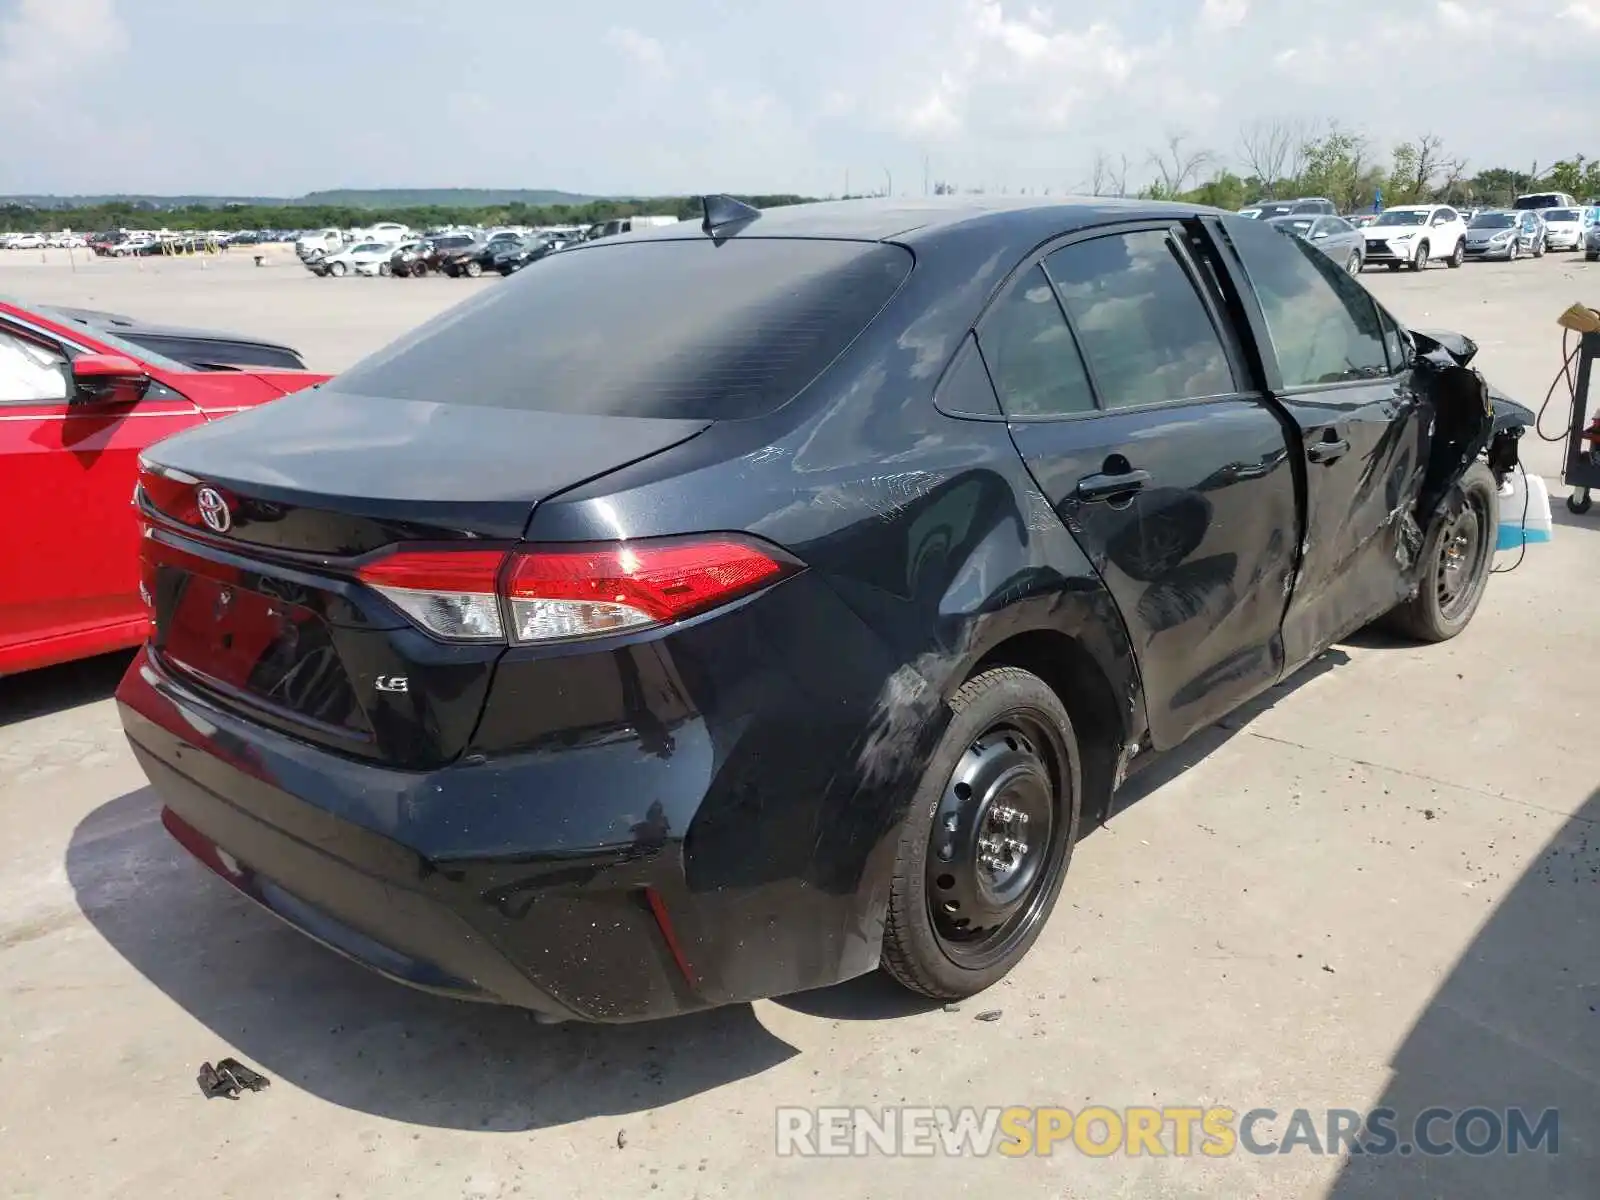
{"x": 1327, "y": 452}
{"x": 1104, "y": 487}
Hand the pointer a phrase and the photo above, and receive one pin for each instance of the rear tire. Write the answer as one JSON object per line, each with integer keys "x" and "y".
{"x": 1579, "y": 501}
{"x": 1458, "y": 553}
{"x": 988, "y": 838}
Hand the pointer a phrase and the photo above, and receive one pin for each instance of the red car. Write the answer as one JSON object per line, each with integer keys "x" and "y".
{"x": 78, "y": 403}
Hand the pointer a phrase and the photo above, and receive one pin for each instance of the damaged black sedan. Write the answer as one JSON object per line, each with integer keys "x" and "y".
{"x": 738, "y": 607}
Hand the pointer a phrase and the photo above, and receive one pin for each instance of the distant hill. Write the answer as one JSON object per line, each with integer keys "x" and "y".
{"x": 385, "y": 198}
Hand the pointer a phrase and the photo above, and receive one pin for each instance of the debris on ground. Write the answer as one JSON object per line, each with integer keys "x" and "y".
{"x": 952, "y": 1007}
{"x": 622, "y": 1138}
{"x": 229, "y": 1078}
{"x": 992, "y": 1015}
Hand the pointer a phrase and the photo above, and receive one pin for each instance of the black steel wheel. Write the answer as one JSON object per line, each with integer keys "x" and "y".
{"x": 1456, "y": 560}
{"x": 988, "y": 840}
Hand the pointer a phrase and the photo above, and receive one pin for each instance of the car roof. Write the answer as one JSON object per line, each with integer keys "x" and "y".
{"x": 910, "y": 220}
{"x": 122, "y": 326}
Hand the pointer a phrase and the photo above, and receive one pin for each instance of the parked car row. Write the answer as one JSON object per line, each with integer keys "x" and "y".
{"x": 466, "y": 255}
{"x": 1411, "y": 236}
{"x": 42, "y": 241}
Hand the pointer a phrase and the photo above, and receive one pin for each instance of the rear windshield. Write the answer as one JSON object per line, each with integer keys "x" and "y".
{"x": 1560, "y": 214}
{"x": 680, "y": 329}
{"x": 1537, "y": 201}
{"x": 1493, "y": 220}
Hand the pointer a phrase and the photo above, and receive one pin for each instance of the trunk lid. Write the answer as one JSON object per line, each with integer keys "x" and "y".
{"x": 260, "y": 607}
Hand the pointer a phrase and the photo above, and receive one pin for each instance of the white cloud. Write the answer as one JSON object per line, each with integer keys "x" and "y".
{"x": 1585, "y": 13}
{"x": 643, "y": 50}
{"x": 1464, "y": 19}
{"x": 44, "y": 42}
{"x": 1015, "y": 71}
{"x": 1224, "y": 14}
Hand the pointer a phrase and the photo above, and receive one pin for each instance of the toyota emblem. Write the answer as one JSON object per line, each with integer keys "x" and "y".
{"x": 213, "y": 509}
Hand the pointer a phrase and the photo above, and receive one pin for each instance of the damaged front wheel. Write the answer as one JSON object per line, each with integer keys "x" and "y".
{"x": 1457, "y": 558}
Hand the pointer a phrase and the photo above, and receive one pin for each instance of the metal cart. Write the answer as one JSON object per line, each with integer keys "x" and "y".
{"x": 1581, "y": 471}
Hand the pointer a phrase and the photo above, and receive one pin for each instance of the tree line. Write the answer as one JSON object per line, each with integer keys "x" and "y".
{"x": 1278, "y": 159}
{"x": 127, "y": 215}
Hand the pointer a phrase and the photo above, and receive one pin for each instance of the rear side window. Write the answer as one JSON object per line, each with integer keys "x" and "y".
{"x": 675, "y": 329}
{"x": 1144, "y": 329}
{"x": 1031, "y": 355}
{"x": 1324, "y": 325}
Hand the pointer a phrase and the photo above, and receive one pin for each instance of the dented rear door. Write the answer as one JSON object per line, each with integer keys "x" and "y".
{"x": 1336, "y": 363}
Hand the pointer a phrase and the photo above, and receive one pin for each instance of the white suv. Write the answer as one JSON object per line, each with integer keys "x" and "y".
{"x": 1412, "y": 235}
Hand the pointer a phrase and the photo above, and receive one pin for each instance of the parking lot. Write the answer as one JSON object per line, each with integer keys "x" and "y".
{"x": 1377, "y": 887}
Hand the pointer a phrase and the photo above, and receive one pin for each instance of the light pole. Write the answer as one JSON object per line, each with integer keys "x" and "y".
{"x": 889, "y": 181}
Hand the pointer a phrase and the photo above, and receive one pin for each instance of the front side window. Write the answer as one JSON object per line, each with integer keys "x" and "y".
{"x": 1031, "y": 355}
{"x": 29, "y": 372}
{"x": 1323, "y": 324}
{"x": 1144, "y": 329}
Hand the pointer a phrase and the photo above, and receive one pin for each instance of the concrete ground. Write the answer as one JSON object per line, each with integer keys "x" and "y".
{"x": 1380, "y": 886}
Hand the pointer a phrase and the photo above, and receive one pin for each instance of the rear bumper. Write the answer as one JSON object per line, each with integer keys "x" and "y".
{"x": 605, "y": 882}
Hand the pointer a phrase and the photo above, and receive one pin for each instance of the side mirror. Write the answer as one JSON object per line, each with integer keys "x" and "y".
{"x": 107, "y": 379}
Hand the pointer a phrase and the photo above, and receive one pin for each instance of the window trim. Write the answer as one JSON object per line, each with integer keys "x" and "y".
{"x": 1177, "y": 233}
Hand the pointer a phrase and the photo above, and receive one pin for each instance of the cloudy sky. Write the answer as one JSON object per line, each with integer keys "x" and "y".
{"x": 280, "y": 97}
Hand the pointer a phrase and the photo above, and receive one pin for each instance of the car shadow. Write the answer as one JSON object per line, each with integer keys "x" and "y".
{"x": 1516, "y": 1023}
{"x": 303, "y": 1014}
{"x": 55, "y": 689}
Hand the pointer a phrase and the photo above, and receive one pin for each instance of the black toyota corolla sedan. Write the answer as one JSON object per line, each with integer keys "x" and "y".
{"x": 738, "y": 607}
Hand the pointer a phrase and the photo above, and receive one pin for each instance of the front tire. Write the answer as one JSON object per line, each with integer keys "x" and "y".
{"x": 1420, "y": 262}
{"x": 988, "y": 839}
{"x": 1352, "y": 265}
{"x": 1515, "y": 251}
{"x": 385, "y": 270}
{"x": 1457, "y": 256}
{"x": 473, "y": 270}
{"x": 1458, "y": 553}
{"x": 337, "y": 269}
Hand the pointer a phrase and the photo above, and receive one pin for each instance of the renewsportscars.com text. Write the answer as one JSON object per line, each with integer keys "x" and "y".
{"x": 1178, "y": 1131}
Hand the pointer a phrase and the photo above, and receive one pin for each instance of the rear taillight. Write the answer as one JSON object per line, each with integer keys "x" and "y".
{"x": 557, "y": 593}
{"x": 450, "y": 593}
